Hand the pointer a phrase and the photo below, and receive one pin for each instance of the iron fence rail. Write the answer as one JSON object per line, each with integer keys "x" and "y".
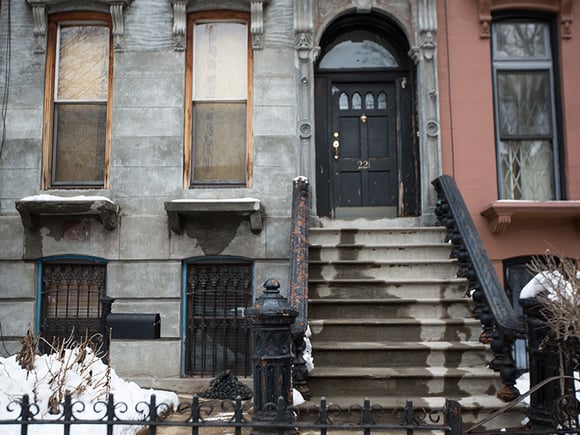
{"x": 238, "y": 416}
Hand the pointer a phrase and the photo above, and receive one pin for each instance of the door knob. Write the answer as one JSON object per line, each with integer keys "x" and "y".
{"x": 335, "y": 145}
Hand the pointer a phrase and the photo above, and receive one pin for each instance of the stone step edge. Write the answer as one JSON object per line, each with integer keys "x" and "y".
{"x": 397, "y": 321}
{"x": 380, "y": 245}
{"x": 390, "y": 301}
{"x": 396, "y": 281}
{"x": 435, "y": 261}
{"x": 398, "y": 345}
{"x": 375, "y": 373}
{"x": 396, "y": 229}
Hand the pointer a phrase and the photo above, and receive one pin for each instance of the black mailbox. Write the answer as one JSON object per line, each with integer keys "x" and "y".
{"x": 134, "y": 325}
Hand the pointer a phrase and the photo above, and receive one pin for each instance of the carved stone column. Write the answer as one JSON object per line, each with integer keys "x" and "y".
{"x": 303, "y": 31}
{"x": 425, "y": 56}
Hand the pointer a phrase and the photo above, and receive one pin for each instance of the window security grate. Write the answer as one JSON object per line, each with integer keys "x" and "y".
{"x": 217, "y": 335}
{"x": 71, "y": 302}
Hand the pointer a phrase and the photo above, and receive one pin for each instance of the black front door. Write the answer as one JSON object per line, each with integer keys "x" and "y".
{"x": 363, "y": 147}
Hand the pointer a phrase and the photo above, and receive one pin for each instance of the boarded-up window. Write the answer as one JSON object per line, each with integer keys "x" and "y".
{"x": 77, "y": 109}
{"x": 219, "y": 101}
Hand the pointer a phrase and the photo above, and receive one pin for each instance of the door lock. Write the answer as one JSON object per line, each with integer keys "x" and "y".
{"x": 335, "y": 144}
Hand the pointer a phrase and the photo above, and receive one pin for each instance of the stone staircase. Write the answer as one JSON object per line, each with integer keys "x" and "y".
{"x": 390, "y": 322}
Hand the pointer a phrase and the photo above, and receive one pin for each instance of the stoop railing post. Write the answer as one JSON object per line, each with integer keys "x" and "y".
{"x": 298, "y": 280}
{"x": 270, "y": 320}
{"x": 544, "y": 363}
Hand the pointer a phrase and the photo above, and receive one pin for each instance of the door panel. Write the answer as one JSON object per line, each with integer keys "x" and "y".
{"x": 364, "y": 167}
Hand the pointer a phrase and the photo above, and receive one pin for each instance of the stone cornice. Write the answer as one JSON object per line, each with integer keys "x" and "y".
{"x": 182, "y": 7}
{"x": 561, "y": 7}
{"x": 500, "y": 214}
{"x": 42, "y": 8}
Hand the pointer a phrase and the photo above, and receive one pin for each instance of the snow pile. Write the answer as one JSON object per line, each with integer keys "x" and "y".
{"x": 308, "y": 359}
{"x": 81, "y": 373}
{"x": 552, "y": 282}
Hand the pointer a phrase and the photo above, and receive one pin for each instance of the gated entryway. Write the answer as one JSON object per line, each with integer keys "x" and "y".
{"x": 366, "y": 156}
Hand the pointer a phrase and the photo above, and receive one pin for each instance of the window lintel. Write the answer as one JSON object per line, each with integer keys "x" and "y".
{"x": 42, "y": 8}
{"x": 561, "y": 7}
{"x": 182, "y": 7}
{"x": 177, "y": 210}
{"x": 32, "y": 208}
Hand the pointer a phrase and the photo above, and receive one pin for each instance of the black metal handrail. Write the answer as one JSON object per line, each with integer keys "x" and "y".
{"x": 298, "y": 278}
{"x": 501, "y": 326}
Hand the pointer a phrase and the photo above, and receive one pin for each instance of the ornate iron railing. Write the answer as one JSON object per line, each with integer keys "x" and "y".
{"x": 237, "y": 415}
{"x": 501, "y": 326}
{"x": 298, "y": 279}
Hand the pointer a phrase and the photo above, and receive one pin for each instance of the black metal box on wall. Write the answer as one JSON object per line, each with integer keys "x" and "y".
{"x": 134, "y": 325}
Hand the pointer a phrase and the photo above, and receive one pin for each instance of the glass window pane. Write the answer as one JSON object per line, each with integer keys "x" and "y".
{"x": 526, "y": 170}
{"x": 358, "y": 54}
{"x": 79, "y": 152}
{"x": 343, "y": 101}
{"x": 356, "y": 101}
{"x": 83, "y": 63}
{"x": 382, "y": 101}
{"x": 526, "y": 40}
{"x": 369, "y": 101}
{"x": 219, "y": 142}
{"x": 524, "y": 103}
{"x": 220, "y": 61}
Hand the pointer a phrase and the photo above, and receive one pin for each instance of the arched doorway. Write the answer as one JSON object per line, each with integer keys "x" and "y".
{"x": 367, "y": 161}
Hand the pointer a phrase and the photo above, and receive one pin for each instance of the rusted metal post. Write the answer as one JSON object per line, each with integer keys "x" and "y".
{"x": 298, "y": 280}
{"x": 270, "y": 320}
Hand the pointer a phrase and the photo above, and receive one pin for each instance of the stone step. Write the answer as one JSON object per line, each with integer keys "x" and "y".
{"x": 440, "y": 269}
{"x": 403, "y": 381}
{"x": 392, "y": 236}
{"x": 368, "y": 329}
{"x": 387, "y": 288}
{"x": 425, "y": 308}
{"x": 454, "y": 354}
{"x": 433, "y": 251}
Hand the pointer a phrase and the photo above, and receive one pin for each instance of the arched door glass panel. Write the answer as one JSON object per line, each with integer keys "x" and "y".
{"x": 358, "y": 52}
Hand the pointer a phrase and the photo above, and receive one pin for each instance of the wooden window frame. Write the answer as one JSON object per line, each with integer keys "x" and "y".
{"x": 49, "y": 92}
{"x": 526, "y": 65}
{"x": 215, "y": 16}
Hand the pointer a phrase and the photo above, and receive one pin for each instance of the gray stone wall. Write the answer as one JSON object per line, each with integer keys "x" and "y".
{"x": 145, "y": 258}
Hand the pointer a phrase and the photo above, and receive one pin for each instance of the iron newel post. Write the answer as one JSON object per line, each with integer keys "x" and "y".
{"x": 271, "y": 319}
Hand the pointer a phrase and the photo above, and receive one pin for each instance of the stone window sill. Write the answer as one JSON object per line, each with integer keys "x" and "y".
{"x": 500, "y": 213}
{"x": 32, "y": 208}
{"x": 179, "y": 209}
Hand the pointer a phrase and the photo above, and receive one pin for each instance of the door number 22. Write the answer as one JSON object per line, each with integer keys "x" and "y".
{"x": 363, "y": 164}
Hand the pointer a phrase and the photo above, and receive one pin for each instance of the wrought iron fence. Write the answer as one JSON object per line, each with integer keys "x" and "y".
{"x": 237, "y": 415}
